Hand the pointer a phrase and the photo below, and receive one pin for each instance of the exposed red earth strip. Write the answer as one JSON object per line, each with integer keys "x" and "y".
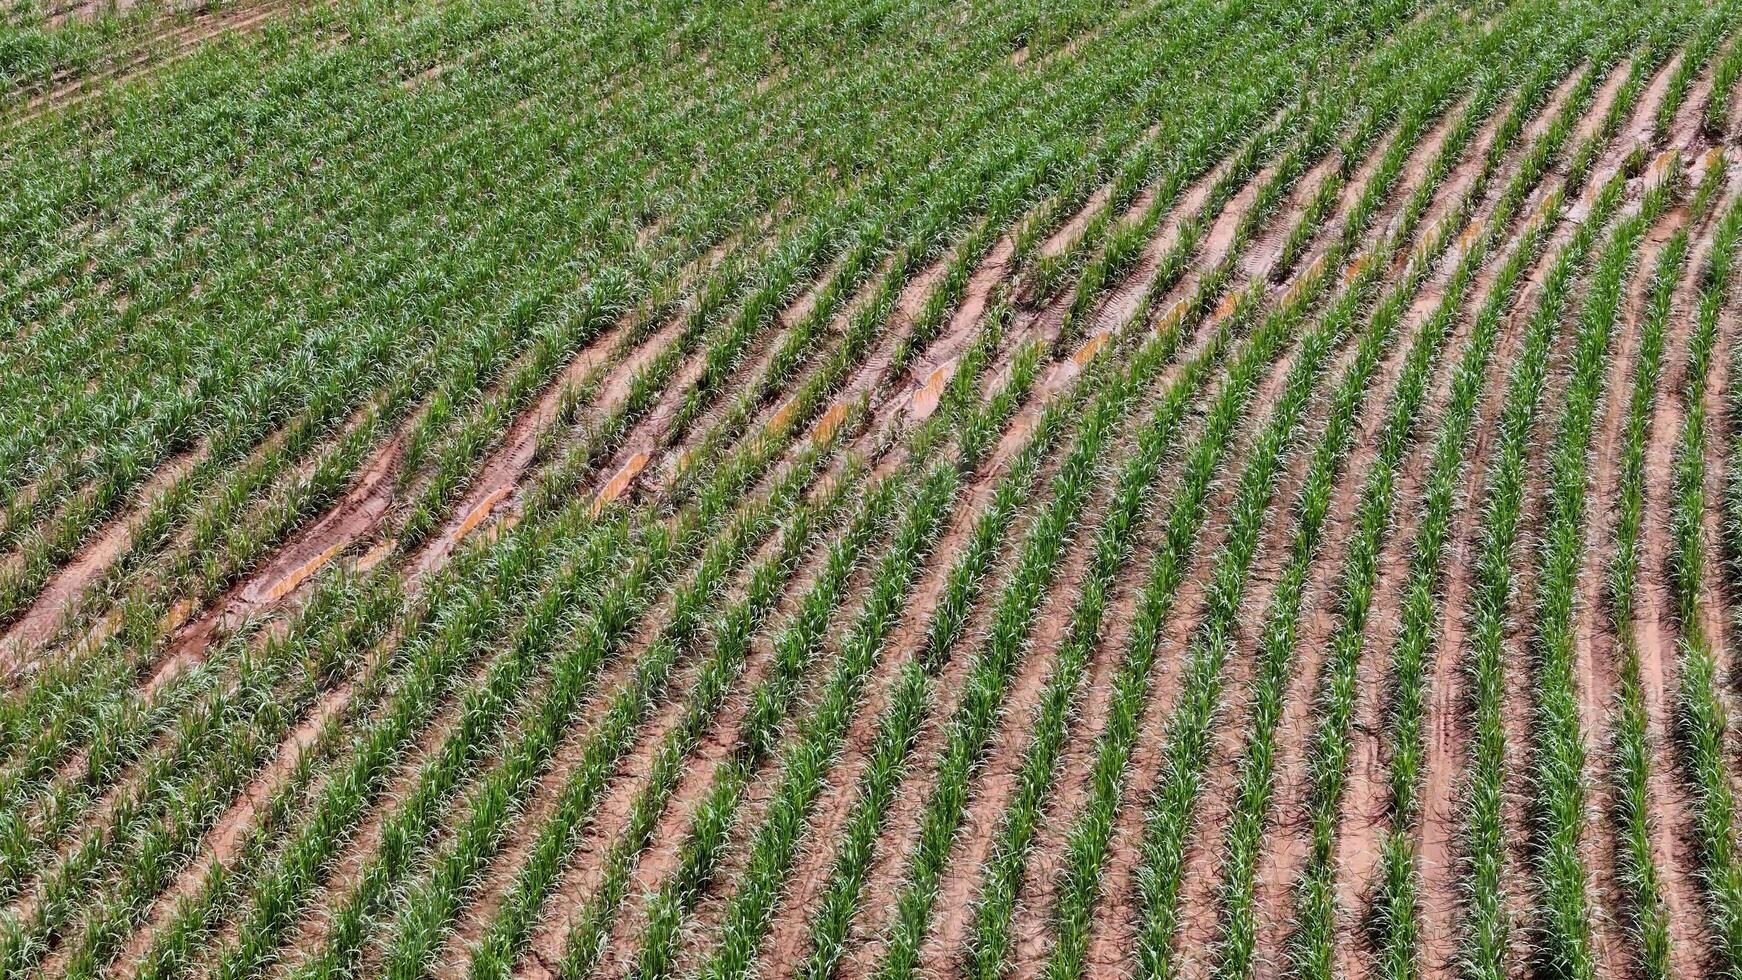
{"x": 67, "y": 589}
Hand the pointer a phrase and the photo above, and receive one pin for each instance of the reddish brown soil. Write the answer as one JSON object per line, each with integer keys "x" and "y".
{"x": 1200, "y": 905}
{"x": 1116, "y": 923}
{"x": 1288, "y": 843}
{"x": 658, "y": 861}
{"x": 89, "y": 10}
{"x": 585, "y": 870}
{"x": 1199, "y": 902}
{"x": 1447, "y": 727}
{"x": 1366, "y": 804}
{"x": 431, "y": 735}
{"x": 872, "y": 375}
{"x": 1123, "y": 301}
{"x": 1260, "y": 258}
{"x": 1287, "y": 846}
{"x": 997, "y": 780}
{"x": 346, "y": 522}
{"x": 1445, "y": 736}
{"x": 1597, "y": 658}
{"x": 356, "y": 515}
{"x": 1220, "y": 238}
{"x": 1686, "y": 130}
{"x": 191, "y": 641}
{"x": 224, "y": 842}
{"x": 1654, "y": 627}
{"x": 902, "y": 823}
{"x": 192, "y": 626}
{"x": 544, "y": 798}
{"x": 66, "y": 590}
{"x": 1604, "y": 98}
{"x": 880, "y": 405}
{"x": 506, "y": 467}
{"x": 1635, "y": 134}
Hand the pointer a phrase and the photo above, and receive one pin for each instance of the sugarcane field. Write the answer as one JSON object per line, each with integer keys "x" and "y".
{"x": 871, "y": 489}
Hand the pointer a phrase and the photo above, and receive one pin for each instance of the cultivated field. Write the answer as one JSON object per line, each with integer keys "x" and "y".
{"x": 889, "y": 489}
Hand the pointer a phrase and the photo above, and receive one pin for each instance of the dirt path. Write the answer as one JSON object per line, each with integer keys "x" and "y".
{"x": 1202, "y": 877}
{"x": 1289, "y": 842}
{"x": 1596, "y": 655}
{"x": 66, "y": 590}
{"x": 1116, "y": 923}
{"x": 1655, "y": 633}
{"x": 499, "y": 480}
{"x": 1659, "y": 672}
{"x": 1447, "y": 725}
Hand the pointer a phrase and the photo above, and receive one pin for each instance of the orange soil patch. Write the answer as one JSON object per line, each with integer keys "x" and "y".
{"x": 478, "y": 514}
{"x": 1356, "y": 267}
{"x": 1225, "y": 307}
{"x": 829, "y": 422}
{"x": 376, "y": 555}
{"x": 925, "y": 400}
{"x": 298, "y": 575}
{"x": 1090, "y": 348}
{"x": 620, "y": 481}
{"x": 782, "y": 416}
